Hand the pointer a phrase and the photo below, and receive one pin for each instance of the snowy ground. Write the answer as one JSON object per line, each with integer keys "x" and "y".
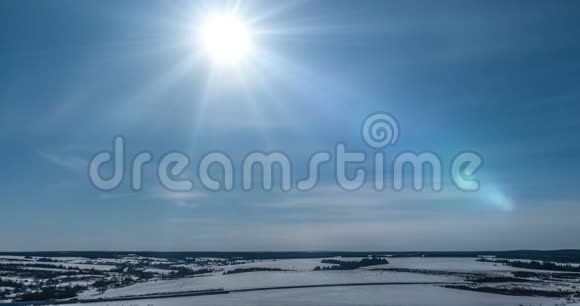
{"x": 272, "y": 279}
{"x": 124, "y": 276}
{"x": 364, "y": 295}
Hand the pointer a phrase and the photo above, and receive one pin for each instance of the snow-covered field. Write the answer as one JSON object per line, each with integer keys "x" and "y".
{"x": 413, "y": 295}
{"x": 134, "y": 276}
{"x": 272, "y": 279}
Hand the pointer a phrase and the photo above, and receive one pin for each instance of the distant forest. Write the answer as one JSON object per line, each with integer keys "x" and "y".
{"x": 351, "y": 265}
{"x": 564, "y": 256}
{"x": 253, "y": 269}
{"x": 536, "y": 265}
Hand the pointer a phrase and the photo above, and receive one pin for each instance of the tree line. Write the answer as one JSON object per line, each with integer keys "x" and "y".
{"x": 351, "y": 265}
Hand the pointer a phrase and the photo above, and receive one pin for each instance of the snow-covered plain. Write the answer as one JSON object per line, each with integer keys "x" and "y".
{"x": 271, "y": 279}
{"x": 410, "y": 295}
{"x": 123, "y": 277}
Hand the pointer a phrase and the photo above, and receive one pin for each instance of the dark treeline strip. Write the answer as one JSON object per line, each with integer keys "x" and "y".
{"x": 500, "y": 279}
{"x": 24, "y": 270}
{"x": 51, "y": 293}
{"x": 566, "y": 256}
{"x": 550, "y": 276}
{"x": 514, "y": 291}
{"x": 10, "y": 283}
{"x": 351, "y": 265}
{"x": 253, "y": 269}
{"x": 186, "y": 272}
{"x": 37, "y": 265}
{"x": 535, "y": 265}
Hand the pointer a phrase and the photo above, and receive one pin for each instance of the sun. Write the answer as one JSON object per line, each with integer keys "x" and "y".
{"x": 225, "y": 39}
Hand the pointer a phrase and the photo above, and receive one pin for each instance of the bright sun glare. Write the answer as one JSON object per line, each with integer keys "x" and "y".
{"x": 225, "y": 39}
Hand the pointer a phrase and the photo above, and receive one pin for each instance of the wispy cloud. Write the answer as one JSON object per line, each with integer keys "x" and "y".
{"x": 334, "y": 196}
{"x": 67, "y": 161}
{"x": 184, "y": 199}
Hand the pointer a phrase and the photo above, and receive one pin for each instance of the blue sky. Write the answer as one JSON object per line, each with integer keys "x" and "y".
{"x": 498, "y": 78}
